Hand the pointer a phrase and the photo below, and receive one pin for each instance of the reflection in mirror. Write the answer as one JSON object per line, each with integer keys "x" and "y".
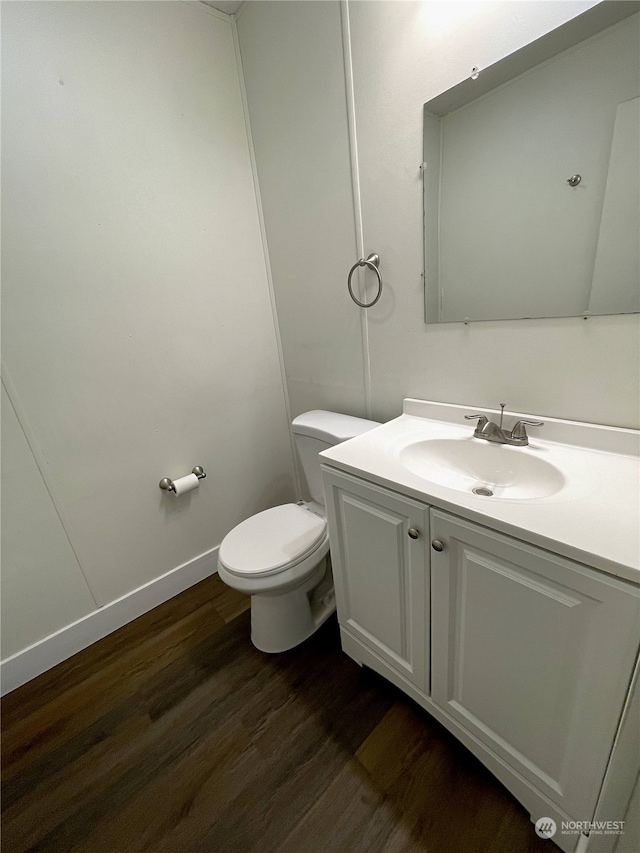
{"x": 532, "y": 179}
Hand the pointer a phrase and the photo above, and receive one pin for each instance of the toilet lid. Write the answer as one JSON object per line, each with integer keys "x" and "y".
{"x": 271, "y": 540}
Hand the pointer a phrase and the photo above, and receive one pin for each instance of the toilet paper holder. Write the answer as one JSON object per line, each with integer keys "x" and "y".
{"x": 168, "y": 486}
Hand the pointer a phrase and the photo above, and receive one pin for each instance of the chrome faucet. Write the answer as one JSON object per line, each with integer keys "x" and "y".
{"x": 490, "y": 431}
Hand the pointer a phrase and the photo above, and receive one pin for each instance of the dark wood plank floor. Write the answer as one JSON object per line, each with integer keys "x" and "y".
{"x": 175, "y": 734}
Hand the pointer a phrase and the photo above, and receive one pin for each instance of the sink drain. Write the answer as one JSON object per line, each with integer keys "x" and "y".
{"x": 483, "y": 490}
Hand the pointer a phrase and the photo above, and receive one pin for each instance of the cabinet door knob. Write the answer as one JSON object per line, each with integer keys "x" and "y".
{"x": 437, "y": 545}
{"x": 413, "y": 533}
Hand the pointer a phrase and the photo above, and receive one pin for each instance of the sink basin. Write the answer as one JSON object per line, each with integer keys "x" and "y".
{"x": 481, "y": 468}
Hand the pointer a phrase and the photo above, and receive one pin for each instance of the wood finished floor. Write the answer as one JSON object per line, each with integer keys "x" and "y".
{"x": 176, "y": 734}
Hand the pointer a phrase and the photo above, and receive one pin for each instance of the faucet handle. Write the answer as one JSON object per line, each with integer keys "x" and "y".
{"x": 482, "y": 421}
{"x": 519, "y": 430}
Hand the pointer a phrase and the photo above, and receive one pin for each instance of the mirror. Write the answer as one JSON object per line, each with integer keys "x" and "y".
{"x": 532, "y": 179}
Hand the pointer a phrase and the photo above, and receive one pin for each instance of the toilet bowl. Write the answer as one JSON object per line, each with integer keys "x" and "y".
{"x": 280, "y": 557}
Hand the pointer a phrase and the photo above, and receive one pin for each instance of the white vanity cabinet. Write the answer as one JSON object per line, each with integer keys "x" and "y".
{"x": 379, "y": 543}
{"x": 533, "y": 655}
{"x": 525, "y": 656}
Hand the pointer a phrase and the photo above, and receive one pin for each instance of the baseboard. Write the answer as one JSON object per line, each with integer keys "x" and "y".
{"x": 46, "y": 653}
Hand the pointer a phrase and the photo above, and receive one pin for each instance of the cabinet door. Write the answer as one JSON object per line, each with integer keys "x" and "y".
{"x": 533, "y": 655}
{"x": 380, "y": 571}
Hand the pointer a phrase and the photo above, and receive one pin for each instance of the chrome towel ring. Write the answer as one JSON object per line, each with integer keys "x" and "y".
{"x": 372, "y": 262}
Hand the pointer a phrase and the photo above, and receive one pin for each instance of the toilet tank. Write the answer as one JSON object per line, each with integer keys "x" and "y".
{"x": 316, "y": 431}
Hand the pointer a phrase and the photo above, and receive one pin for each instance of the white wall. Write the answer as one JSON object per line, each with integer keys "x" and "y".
{"x": 571, "y": 368}
{"x": 43, "y": 587}
{"x": 293, "y": 71}
{"x": 403, "y": 54}
{"x": 139, "y": 338}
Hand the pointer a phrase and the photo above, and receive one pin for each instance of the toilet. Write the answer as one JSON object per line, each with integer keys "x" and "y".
{"x": 280, "y": 556}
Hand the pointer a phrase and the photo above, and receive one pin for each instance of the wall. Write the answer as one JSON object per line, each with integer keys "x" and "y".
{"x": 401, "y": 54}
{"x": 567, "y": 368}
{"x": 42, "y": 582}
{"x": 293, "y": 71}
{"x": 139, "y": 337}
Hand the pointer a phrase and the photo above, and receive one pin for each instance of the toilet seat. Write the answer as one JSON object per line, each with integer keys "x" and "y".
{"x": 272, "y": 541}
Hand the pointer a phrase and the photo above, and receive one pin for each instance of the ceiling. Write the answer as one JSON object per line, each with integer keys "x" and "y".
{"x": 226, "y": 6}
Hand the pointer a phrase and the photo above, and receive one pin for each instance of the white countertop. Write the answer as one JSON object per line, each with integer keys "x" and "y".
{"x": 594, "y": 519}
